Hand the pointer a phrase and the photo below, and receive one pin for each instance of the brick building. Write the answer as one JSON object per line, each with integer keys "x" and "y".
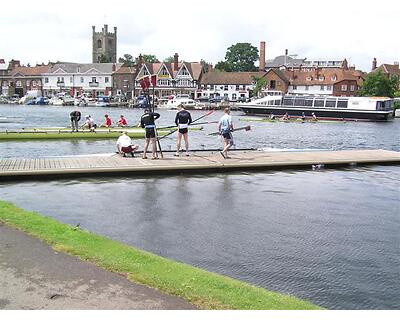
{"x": 124, "y": 81}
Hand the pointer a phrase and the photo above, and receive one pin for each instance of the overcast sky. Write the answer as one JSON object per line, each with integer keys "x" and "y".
{"x": 43, "y": 30}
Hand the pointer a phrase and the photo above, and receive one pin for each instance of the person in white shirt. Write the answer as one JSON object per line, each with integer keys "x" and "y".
{"x": 125, "y": 145}
{"x": 89, "y": 123}
{"x": 225, "y": 127}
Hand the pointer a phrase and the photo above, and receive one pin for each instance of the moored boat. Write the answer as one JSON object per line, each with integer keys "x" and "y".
{"x": 324, "y": 107}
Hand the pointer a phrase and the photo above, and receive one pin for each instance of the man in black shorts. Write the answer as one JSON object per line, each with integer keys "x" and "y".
{"x": 147, "y": 122}
{"x": 75, "y": 117}
{"x": 182, "y": 120}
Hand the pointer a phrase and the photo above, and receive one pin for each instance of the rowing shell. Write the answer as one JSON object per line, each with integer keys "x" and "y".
{"x": 64, "y": 134}
{"x": 294, "y": 120}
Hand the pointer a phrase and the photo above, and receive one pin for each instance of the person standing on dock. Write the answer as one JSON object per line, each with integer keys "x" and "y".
{"x": 182, "y": 120}
{"x": 75, "y": 117}
{"x": 225, "y": 127}
{"x": 147, "y": 121}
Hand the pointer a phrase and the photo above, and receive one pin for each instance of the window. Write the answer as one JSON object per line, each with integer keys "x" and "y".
{"x": 28, "y": 82}
{"x": 272, "y": 84}
{"x": 184, "y": 72}
{"x": 321, "y": 78}
{"x": 328, "y": 87}
{"x": 278, "y": 83}
{"x": 81, "y": 79}
{"x": 308, "y": 102}
{"x": 330, "y": 103}
{"x": 288, "y": 101}
{"x": 294, "y": 87}
{"x": 71, "y": 79}
{"x": 237, "y": 87}
{"x": 93, "y": 79}
{"x": 352, "y": 88}
{"x": 322, "y": 88}
{"x": 309, "y": 78}
{"x": 306, "y": 88}
{"x": 299, "y": 102}
{"x": 211, "y": 87}
{"x": 333, "y": 78}
{"x": 319, "y": 103}
{"x": 99, "y": 44}
{"x": 34, "y": 83}
{"x": 106, "y": 79}
{"x": 344, "y": 87}
{"x": 226, "y": 87}
{"x": 233, "y": 96}
{"x": 225, "y": 96}
{"x": 164, "y": 72}
{"x": 18, "y": 84}
{"x": 342, "y": 104}
{"x": 78, "y": 70}
{"x": 244, "y": 87}
{"x": 46, "y": 80}
{"x": 60, "y": 79}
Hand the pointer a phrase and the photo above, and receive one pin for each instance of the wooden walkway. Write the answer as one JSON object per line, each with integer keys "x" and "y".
{"x": 198, "y": 162}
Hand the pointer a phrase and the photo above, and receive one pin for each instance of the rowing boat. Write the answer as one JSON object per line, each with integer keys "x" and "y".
{"x": 104, "y": 129}
{"x": 67, "y": 134}
{"x": 294, "y": 120}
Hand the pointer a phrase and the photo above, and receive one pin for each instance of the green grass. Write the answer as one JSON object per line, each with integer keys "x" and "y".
{"x": 202, "y": 288}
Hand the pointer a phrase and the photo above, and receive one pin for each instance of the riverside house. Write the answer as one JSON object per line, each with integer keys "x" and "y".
{"x": 78, "y": 78}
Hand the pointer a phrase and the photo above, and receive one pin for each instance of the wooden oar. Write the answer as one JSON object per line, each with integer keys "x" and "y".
{"x": 195, "y": 120}
{"x": 246, "y": 128}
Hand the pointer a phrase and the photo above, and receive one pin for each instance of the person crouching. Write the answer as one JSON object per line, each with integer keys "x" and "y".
{"x": 125, "y": 145}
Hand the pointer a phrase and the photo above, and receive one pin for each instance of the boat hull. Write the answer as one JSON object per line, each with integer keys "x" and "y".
{"x": 319, "y": 113}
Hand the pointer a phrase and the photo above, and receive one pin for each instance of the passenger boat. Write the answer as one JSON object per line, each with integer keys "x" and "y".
{"x": 324, "y": 107}
{"x": 173, "y": 103}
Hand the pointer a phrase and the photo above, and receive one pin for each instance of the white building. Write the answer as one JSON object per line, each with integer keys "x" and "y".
{"x": 78, "y": 78}
{"x": 232, "y": 86}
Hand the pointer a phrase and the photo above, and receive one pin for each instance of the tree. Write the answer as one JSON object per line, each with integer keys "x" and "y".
{"x": 127, "y": 60}
{"x": 149, "y": 58}
{"x": 261, "y": 83}
{"x": 169, "y": 59}
{"x": 103, "y": 58}
{"x": 378, "y": 84}
{"x": 223, "y": 66}
{"x": 206, "y": 65}
{"x": 241, "y": 57}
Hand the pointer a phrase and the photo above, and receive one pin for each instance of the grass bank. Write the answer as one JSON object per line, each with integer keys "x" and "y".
{"x": 204, "y": 289}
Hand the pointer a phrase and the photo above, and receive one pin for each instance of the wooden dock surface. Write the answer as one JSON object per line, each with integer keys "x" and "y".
{"x": 198, "y": 162}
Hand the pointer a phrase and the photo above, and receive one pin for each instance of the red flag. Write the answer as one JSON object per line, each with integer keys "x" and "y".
{"x": 153, "y": 80}
{"x": 142, "y": 84}
{"x": 147, "y": 82}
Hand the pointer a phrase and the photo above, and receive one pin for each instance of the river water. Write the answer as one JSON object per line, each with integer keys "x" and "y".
{"x": 328, "y": 236}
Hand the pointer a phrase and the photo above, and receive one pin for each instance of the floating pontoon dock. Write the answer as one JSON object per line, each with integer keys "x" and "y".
{"x": 199, "y": 162}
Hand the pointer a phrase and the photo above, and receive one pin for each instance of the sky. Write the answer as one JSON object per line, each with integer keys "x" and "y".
{"x": 47, "y": 30}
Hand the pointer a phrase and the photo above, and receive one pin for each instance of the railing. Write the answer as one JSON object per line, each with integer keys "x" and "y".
{"x": 60, "y": 84}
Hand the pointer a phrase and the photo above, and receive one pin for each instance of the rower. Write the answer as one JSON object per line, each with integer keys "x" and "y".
{"x": 89, "y": 123}
{"x": 314, "y": 117}
{"x": 147, "y": 121}
{"x": 122, "y": 121}
{"x": 183, "y": 119}
{"x": 107, "y": 122}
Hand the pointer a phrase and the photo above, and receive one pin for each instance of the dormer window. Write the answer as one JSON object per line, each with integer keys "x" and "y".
{"x": 321, "y": 78}
{"x": 334, "y": 78}
{"x": 309, "y": 78}
{"x": 78, "y": 69}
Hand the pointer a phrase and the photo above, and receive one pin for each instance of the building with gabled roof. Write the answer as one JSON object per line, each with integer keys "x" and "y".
{"x": 232, "y": 86}
{"x": 80, "y": 78}
{"x": 388, "y": 69}
{"x": 173, "y": 78}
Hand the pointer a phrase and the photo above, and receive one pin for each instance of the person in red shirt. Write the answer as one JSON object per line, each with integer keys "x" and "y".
{"x": 122, "y": 121}
{"x": 108, "y": 122}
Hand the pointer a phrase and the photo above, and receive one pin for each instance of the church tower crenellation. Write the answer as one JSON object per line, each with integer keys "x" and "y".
{"x": 104, "y": 43}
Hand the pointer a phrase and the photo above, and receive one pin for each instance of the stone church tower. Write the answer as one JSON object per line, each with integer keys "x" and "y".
{"x": 104, "y": 43}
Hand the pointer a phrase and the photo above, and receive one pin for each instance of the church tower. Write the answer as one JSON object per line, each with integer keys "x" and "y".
{"x": 104, "y": 43}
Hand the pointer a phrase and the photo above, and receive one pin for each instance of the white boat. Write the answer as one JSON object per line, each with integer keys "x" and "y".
{"x": 183, "y": 100}
{"x": 61, "y": 99}
{"x": 323, "y": 107}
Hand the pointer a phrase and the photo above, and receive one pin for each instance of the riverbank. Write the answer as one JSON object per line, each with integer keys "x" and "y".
{"x": 199, "y": 287}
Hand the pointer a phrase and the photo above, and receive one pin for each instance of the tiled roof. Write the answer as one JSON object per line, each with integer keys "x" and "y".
{"x": 321, "y": 76}
{"x": 70, "y": 67}
{"x": 30, "y": 71}
{"x": 125, "y": 70}
{"x": 220, "y": 77}
{"x": 392, "y": 69}
{"x": 194, "y": 68}
{"x": 280, "y": 61}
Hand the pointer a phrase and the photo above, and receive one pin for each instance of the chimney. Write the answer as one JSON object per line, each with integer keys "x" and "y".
{"x": 262, "y": 56}
{"x": 113, "y": 67}
{"x": 374, "y": 64}
{"x": 176, "y": 57}
{"x": 105, "y": 29}
{"x": 140, "y": 60}
{"x": 286, "y": 52}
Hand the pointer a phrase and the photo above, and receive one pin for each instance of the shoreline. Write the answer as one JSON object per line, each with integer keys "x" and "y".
{"x": 201, "y": 288}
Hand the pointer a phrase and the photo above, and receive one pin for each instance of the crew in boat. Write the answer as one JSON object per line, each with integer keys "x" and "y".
{"x": 286, "y": 117}
{"x": 122, "y": 121}
{"x": 314, "y": 117}
{"x": 89, "y": 123}
{"x": 107, "y": 121}
{"x": 183, "y": 119}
